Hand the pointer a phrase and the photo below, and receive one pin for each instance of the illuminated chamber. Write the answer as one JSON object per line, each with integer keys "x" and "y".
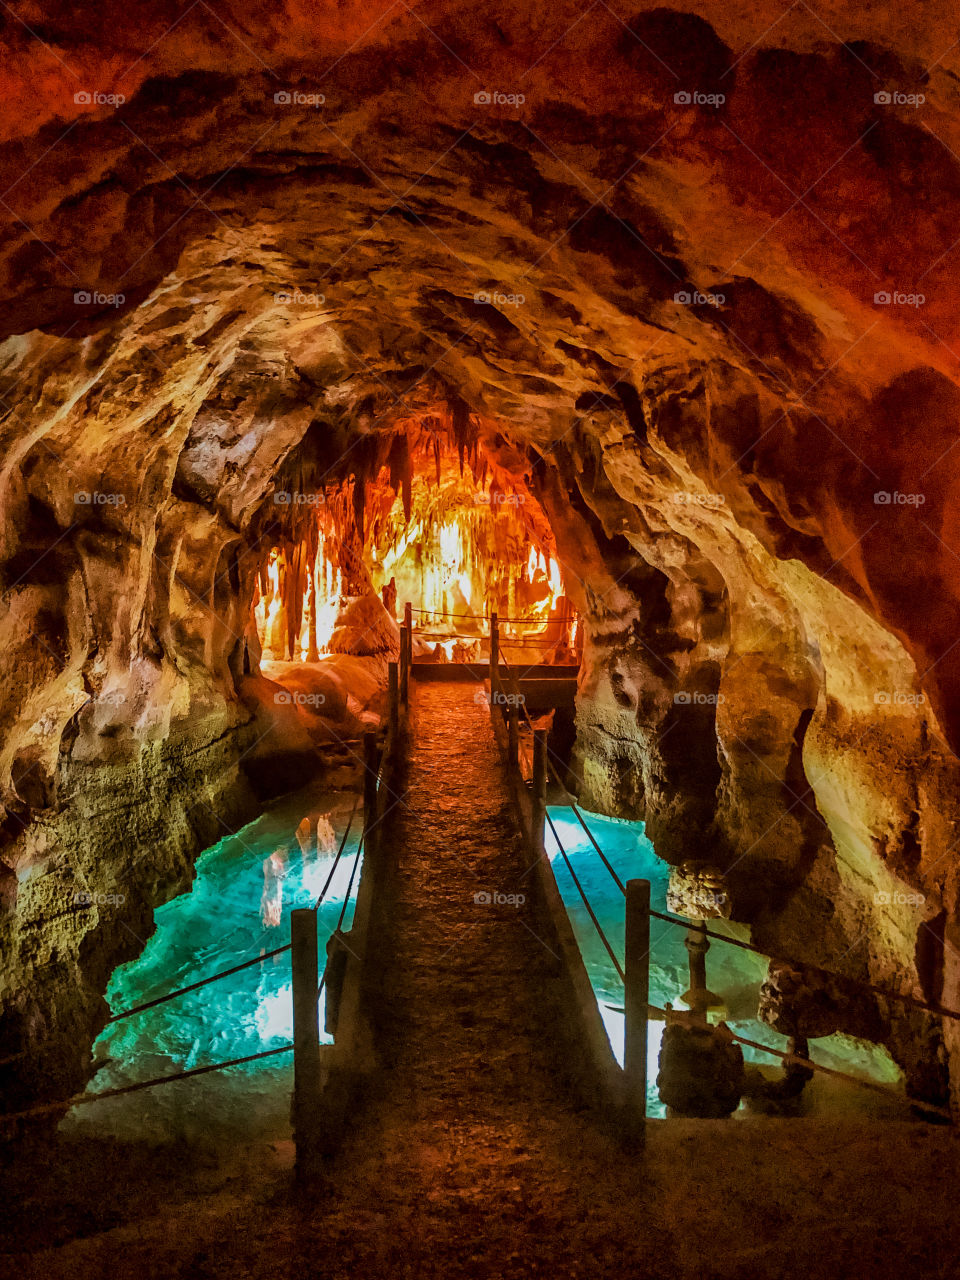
{"x": 457, "y": 542}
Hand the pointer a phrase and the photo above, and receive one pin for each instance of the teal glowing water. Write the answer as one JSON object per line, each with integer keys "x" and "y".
{"x": 239, "y": 907}
{"x": 732, "y": 973}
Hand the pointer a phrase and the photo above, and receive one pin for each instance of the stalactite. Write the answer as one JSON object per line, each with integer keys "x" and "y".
{"x": 313, "y": 654}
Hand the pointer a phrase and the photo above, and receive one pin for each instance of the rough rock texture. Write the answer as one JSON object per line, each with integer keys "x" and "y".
{"x": 686, "y": 322}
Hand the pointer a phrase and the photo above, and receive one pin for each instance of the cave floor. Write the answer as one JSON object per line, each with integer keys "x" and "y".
{"x": 473, "y": 1160}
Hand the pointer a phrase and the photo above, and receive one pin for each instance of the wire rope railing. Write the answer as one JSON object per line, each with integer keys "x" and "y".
{"x": 518, "y": 707}
{"x": 372, "y": 795}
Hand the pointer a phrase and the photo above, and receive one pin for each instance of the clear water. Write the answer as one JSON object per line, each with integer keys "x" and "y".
{"x": 246, "y": 886}
{"x": 732, "y": 973}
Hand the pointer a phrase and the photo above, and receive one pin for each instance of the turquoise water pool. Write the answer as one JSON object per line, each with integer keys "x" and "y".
{"x": 732, "y": 973}
{"x": 239, "y": 907}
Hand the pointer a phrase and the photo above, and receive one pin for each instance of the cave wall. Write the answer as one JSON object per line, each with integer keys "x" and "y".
{"x": 677, "y": 319}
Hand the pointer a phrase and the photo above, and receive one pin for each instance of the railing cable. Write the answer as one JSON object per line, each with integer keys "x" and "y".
{"x": 225, "y": 973}
{"x": 336, "y": 861}
{"x": 82, "y": 1098}
{"x": 596, "y": 923}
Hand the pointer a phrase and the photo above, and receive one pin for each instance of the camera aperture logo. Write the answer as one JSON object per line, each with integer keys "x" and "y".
{"x": 898, "y": 698}
{"x": 95, "y": 499}
{"x": 694, "y": 98}
{"x": 484, "y": 499}
{"x": 883, "y": 498}
{"x": 95, "y": 98}
{"x": 286, "y": 498}
{"x": 499, "y": 698}
{"x": 897, "y": 898}
{"x": 495, "y": 98}
{"x": 894, "y": 298}
{"x": 694, "y": 298}
{"x": 99, "y": 899}
{"x": 297, "y": 98}
{"x": 294, "y": 698}
{"x": 498, "y": 899}
{"x": 297, "y": 298}
{"x": 496, "y": 299}
{"x": 94, "y": 298}
{"x": 897, "y": 98}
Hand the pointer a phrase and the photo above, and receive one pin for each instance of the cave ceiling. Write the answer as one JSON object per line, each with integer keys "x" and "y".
{"x": 686, "y": 226}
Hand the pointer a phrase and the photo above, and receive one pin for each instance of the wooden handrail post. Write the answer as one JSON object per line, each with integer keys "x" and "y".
{"x": 636, "y": 1000}
{"x": 306, "y": 1038}
{"x": 406, "y": 653}
{"x": 494, "y": 656}
{"x": 394, "y": 690}
{"x": 539, "y": 786}
{"x": 513, "y": 736}
{"x": 371, "y": 765}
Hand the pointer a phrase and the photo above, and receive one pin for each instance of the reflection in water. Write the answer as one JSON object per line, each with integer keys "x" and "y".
{"x": 316, "y": 838}
{"x": 735, "y": 974}
{"x": 274, "y": 874}
{"x": 239, "y": 906}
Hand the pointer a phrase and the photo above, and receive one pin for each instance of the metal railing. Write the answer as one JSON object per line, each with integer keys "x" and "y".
{"x": 633, "y": 973}
{"x": 304, "y": 953}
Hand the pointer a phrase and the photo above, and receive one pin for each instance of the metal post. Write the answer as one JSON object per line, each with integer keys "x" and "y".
{"x": 306, "y": 1036}
{"x": 513, "y": 739}
{"x": 494, "y": 656}
{"x": 407, "y": 650}
{"x": 371, "y": 763}
{"x": 539, "y": 786}
{"x": 698, "y": 998}
{"x": 394, "y": 699}
{"x": 636, "y": 1000}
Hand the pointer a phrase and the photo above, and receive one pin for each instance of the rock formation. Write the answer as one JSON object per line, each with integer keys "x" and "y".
{"x": 687, "y": 279}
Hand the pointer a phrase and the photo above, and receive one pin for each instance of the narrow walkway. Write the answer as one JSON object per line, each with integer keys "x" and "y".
{"x": 473, "y": 1163}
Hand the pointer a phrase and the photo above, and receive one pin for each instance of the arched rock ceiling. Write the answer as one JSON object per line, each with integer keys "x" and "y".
{"x": 598, "y": 198}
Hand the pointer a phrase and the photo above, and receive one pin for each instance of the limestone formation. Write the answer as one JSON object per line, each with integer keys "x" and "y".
{"x": 670, "y": 296}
